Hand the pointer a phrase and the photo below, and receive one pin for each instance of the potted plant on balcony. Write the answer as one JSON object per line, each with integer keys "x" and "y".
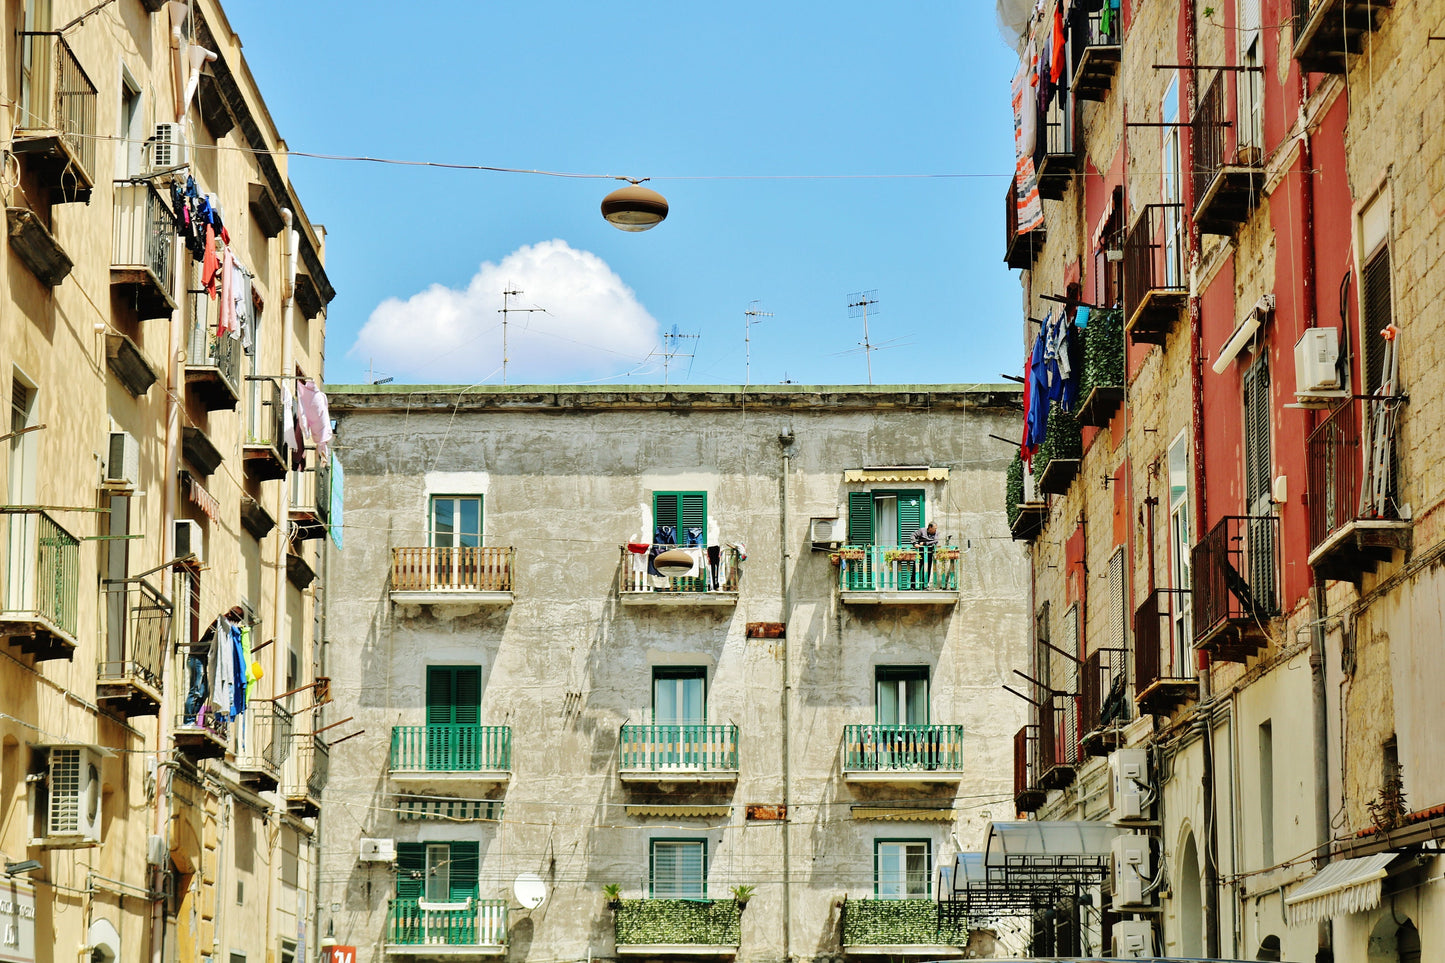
{"x": 741, "y": 894}
{"x": 900, "y": 555}
{"x": 851, "y": 553}
{"x": 612, "y": 892}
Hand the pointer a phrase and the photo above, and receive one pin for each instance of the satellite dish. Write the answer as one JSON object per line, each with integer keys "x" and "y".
{"x": 530, "y": 890}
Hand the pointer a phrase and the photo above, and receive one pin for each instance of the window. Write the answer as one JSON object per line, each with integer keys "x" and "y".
{"x": 1180, "y": 540}
{"x": 678, "y": 868}
{"x": 453, "y": 695}
{"x": 1250, "y": 139}
{"x": 884, "y": 517}
{"x": 1258, "y": 464}
{"x": 456, "y": 521}
{"x": 116, "y": 554}
{"x": 35, "y": 82}
{"x": 22, "y": 447}
{"x": 679, "y": 518}
{"x": 1375, "y": 300}
{"x": 438, "y": 872}
{"x": 1171, "y": 190}
{"x": 902, "y": 695}
{"x": 130, "y": 128}
{"x": 902, "y": 868}
{"x": 1266, "y": 792}
{"x": 1109, "y": 272}
{"x": 679, "y": 695}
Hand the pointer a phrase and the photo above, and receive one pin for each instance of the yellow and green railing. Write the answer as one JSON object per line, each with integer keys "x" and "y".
{"x": 903, "y": 748}
{"x": 897, "y": 568}
{"x": 474, "y": 922}
{"x": 687, "y": 747}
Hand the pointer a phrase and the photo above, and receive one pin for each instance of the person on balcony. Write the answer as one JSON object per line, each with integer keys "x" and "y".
{"x": 925, "y": 540}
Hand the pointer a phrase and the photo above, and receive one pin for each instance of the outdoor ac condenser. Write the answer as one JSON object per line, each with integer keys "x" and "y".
{"x": 1129, "y": 788}
{"x": 1132, "y": 939}
{"x": 1130, "y": 866}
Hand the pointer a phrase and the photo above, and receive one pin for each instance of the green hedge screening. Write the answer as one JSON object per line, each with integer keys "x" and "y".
{"x": 1013, "y": 489}
{"x": 1062, "y": 439}
{"x": 893, "y": 922}
{"x": 698, "y": 922}
{"x": 1103, "y": 352}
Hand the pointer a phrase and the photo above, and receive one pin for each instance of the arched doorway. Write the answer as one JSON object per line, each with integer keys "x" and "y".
{"x": 1393, "y": 942}
{"x": 1269, "y": 949}
{"x": 1191, "y": 900}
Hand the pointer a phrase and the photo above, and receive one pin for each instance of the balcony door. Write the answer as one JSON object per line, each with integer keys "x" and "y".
{"x": 1258, "y": 559}
{"x": 1171, "y": 189}
{"x": 36, "y": 85}
{"x": 22, "y": 528}
{"x": 902, "y": 695}
{"x": 456, "y": 521}
{"x": 1250, "y": 81}
{"x": 1181, "y": 576}
{"x": 444, "y": 872}
{"x": 453, "y": 711}
{"x": 679, "y": 704}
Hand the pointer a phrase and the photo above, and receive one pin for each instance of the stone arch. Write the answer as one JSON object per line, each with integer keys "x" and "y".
{"x": 1394, "y": 940}
{"x": 1189, "y": 898}
{"x": 1269, "y": 949}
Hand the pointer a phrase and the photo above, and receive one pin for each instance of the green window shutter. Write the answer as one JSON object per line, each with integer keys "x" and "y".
{"x": 860, "y": 518}
{"x": 910, "y": 515}
{"x": 410, "y": 870}
{"x": 466, "y": 864}
{"x": 692, "y": 513}
{"x": 440, "y": 682}
{"x": 453, "y": 694}
{"x": 1257, "y": 465}
{"x": 664, "y": 510}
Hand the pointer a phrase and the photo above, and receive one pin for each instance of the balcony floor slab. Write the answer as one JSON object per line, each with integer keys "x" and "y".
{"x": 680, "y": 777}
{"x": 444, "y": 778}
{"x": 907, "y": 597}
{"x": 451, "y": 597}
{"x": 680, "y": 598}
{"x": 677, "y": 949}
{"x": 440, "y": 951}
{"x": 903, "y": 777}
{"x": 931, "y": 951}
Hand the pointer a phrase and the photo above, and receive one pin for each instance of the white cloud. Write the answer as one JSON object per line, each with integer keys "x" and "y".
{"x": 593, "y": 324}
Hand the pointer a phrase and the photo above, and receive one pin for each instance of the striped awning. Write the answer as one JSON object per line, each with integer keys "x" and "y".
{"x": 1346, "y": 886}
{"x": 903, "y": 814}
{"x": 687, "y": 812}
{"x": 456, "y": 810}
{"x": 896, "y": 473}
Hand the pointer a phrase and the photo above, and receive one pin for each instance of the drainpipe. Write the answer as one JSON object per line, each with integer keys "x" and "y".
{"x": 786, "y": 439}
{"x": 283, "y": 495}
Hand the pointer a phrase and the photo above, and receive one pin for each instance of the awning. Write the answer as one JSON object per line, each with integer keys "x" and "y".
{"x": 682, "y": 812}
{"x": 1028, "y": 840}
{"x": 895, "y": 473}
{"x": 457, "y": 810}
{"x": 903, "y": 814}
{"x": 1025, "y": 866}
{"x": 1346, "y": 886}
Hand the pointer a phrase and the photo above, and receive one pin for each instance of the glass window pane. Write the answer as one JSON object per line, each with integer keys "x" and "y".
{"x": 917, "y": 868}
{"x": 443, "y": 525}
{"x": 917, "y": 691}
{"x": 438, "y": 873}
{"x": 469, "y": 527}
{"x": 691, "y": 697}
{"x": 664, "y": 701}
{"x": 888, "y": 702}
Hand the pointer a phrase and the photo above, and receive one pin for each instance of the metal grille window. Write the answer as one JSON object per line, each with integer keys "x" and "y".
{"x": 902, "y": 868}
{"x": 64, "y": 812}
{"x": 678, "y": 868}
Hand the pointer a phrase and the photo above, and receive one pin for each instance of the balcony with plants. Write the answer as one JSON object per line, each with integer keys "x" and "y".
{"x": 138, "y": 626}
{"x": 899, "y": 927}
{"x": 693, "y": 927}
{"x": 1023, "y": 508}
{"x": 897, "y": 574}
{"x": 1060, "y": 454}
{"x": 451, "y": 755}
{"x": 903, "y": 755}
{"x": 41, "y": 588}
{"x": 1101, "y": 382}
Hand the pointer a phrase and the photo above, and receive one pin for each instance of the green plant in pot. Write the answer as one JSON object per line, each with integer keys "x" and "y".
{"x": 742, "y": 893}
{"x": 613, "y": 894}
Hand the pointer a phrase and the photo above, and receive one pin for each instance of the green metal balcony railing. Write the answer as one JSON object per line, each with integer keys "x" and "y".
{"x": 695, "y": 748}
{"x": 42, "y": 571}
{"x": 897, "y": 568}
{"x": 416, "y": 922}
{"x": 877, "y": 748}
{"x": 714, "y": 572}
{"x": 451, "y": 748}
{"x": 678, "y": 922}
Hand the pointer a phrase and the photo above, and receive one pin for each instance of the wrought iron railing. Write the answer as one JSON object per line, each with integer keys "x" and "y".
{"x": 897, "y": 568}
{"x": 468, "y": 569}
{"x": 265, "y": 414}
{"x": 1341, "y": 457}
{"x": 1235, "y": 576}
{"x": 1102, "y": 699}
{"x": 208, "y": 718}
{"x": 42, "y": 571}
{"x": 1163, "y": 649}
{"x": 1209, "y": 130}
{"x": 1058, "y": 732}
{"x": 474, "y": 922}
{"x": 139, "y": 623}
{"x": 308, "y": 768}
{"x": 57, "y": 94}
{"x": 688, "y": 747}
{"x": 902, "y": 748}
{"x": 1056, "y": 128}
{"x": 1154, "y": 255}
{"x": 713, "y": 571}
{"x": 143, "y": 230}
{"x": 206, "y": 349}
{"x": 451, "y": 748}
{"x": 267, "y": 732}
{"x": 1026, "y": 756}
{"x": 1097, "y": 28}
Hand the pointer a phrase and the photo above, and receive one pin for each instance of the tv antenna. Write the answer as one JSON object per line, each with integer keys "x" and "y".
{"x": 671, "y": 348}
{"x": 858, "y": 304}
{"x": 504, "y": 310}
{"x": 751, "y": 317}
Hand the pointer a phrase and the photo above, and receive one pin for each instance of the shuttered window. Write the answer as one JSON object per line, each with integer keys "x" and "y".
{"x": 678, "y": 868}
{"x": 1257, "y": 462}
{"x": 884, "y": 517}
{"x": 860, "y": 518}
{"x": 439, "y": 872}
{"x": 1376, "y": 315}
{"x": 453, "y": 695}
{"x": 683, "y": 512}
{"x": 1117, "y": 615}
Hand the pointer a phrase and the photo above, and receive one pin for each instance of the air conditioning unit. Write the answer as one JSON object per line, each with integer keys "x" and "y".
{"x": 1129, "y": 789}
{"x": 1316, "y": 356}
{"x": 122, "y": 462}
{"x": 377, "y": 850}
{"x": 1132, "y": 940}
{"x": 825, "y": 533}
{"x": 168, "y": 147}
{"x": 1130, "y": 868}
{"x": 65, "y": 798}
{"x": 189, "y": 539}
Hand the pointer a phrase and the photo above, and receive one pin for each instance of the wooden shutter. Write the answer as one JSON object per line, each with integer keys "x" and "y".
{"x": 453, "y": 694}
{"x": 1257, "y": 465}
{"x": 860, "y": 518}
{"x": 1375, "y": 315}
{"x": 910, "y": 515}
{"x": 410, "y": 870}
{"x": 466, "y": 863}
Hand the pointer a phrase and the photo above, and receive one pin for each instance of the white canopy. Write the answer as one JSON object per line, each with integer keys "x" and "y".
{"x": 1346, "y": 886}
{"x": 1034, "y": 838}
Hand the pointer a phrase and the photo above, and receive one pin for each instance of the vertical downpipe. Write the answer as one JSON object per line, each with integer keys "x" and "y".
{"x": 786, "y": 439}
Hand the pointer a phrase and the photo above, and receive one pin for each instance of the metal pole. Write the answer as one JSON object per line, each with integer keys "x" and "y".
{"x": 785, "y": 438}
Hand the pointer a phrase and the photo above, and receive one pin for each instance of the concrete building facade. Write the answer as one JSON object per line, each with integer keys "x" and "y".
{"x": 808, "y": 707}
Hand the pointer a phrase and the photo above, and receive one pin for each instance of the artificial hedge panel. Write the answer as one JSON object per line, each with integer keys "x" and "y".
{"x": 699, "y": 922}
{"x": 1062, "y": 439}
{"x": 1013, "y": 489}
{"x": 1103, "y": 351}
{"x": 893, "y": 922}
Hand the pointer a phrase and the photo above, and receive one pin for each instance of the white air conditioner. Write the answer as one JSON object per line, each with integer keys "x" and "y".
{"x": 168, "y": 147}
{"x": 1130, "y": 868}
{"x": 1132, "y": 940}
{"x": 189, "y": 539}
{"x": 377, "y": 850}
{"x": 1316, "y": 356}
{"x": 122, "y": 462}
{"x": 65, "y": 799}
{"x": 825, "y": 533}
{"x": 1129, "y": 788}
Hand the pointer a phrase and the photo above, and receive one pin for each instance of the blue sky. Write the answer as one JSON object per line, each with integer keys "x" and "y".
{"x": 700, "y": 98}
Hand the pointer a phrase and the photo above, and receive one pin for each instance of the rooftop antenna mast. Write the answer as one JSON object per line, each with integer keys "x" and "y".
{"x": 504, "y": 310}
{"x": 858, "y": 305}
{"x": 751, "y": 317}
{"x": 671, "y": 349}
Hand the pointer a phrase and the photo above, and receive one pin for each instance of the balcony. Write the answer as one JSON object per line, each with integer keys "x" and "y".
{"x": 138, "y": 625}
{"x": 142, "y": 234}
{"x": 1023, "y": 509}
{"x": 714, "y": 580}
{"x": 677, "y": 927}
{"x": 42, "y": 582}
{"x": 304, "y": 774}
{"x": 198, "y": 449}
{"x": 206, "y": 736}
{"x": 467, "y": 930}
{"x": 129, "y": 364}
{"x": 55, "y": 122}
{"x": 1236, "y": 586}
{"x": 1058, "y": 742}
{"x": 1095, "y": 44}
{"x": 1057, "y": 161}
{"x": 1228, "y": 167}
{"x": 310, "y": 502}
{"x": 1060, "y": 454}
{"x": 897, "y": 575}
{"x": 1164, "y": 662}
{"x": 213, "y": 365}
{"x": 300, "y": 571}
{"x": 452, "y": 576}
{"x": 903, "y": 755}
{"x": 1355, "y": 523}
{"x": 268, "y": 731}
{"x": 1156, "y": 286}
{"x": 1326, "y": 32}
{"x": 698, "y": 754}
{"x": 1020, "y": 250}
{"x": 1103, "y": 702}
{"x": 1101, "y": 382}
{"x": 265, "y": 449}
{"x": 451, "y": 755}
{"x": 1028, "y": 797}
{"x": 900, "y": 928}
